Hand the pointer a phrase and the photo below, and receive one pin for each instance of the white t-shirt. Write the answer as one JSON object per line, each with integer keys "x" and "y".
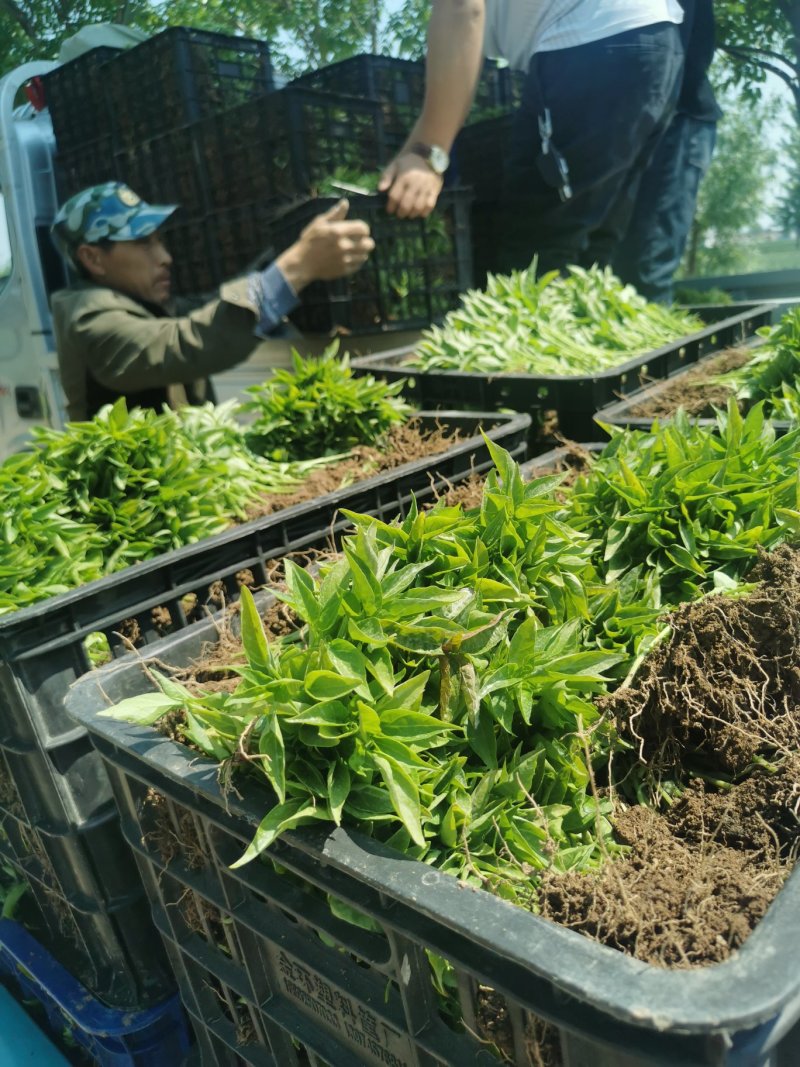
{"x": 516, "y": 29}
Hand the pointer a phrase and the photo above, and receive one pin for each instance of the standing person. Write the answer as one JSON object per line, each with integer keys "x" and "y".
{"x": 602, "y": 82}
{"x": 665, "y": 206}
{"x": 118, "y": 333}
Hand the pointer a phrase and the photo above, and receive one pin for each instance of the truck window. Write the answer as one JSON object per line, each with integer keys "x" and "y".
{"x": 5, "y": 246}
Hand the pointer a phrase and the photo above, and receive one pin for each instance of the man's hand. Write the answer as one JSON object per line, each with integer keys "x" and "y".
{"x": 331, "y": 246}
{"x": 413, "y": 188}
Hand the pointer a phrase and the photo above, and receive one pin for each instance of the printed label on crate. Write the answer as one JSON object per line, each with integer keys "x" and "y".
{"x": 351, "y": 1021}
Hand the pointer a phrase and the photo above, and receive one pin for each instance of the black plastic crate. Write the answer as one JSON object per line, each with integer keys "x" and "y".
{"x": 108, "y": 945}
{"x": 620, "y": 413}
{"x": 279, "y": 146}
{"x": 61, "y": 829}
{"x": 182, "y": 75}
{"x": 399, "y": 85}
{"x": 414, "y": 277}
{"x": 499, "y": 89}
{"x": 385, "y": 78}
{"x": 75, "y": 97}
{"x": 577, "y": 398}
{"x": 42, "y": 646}
{"x": 167, "y": 169}
{"x": 264, "y": 964}
{"x": 90, "y": 164}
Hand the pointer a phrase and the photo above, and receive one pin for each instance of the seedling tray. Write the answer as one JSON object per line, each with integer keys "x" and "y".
{"x": 279, "y": 145}
{"x": 59, "y": 821}
{"x": 269, "y": 964}
{"x": 621, "y": 413}
{"x": 574, "y": 398}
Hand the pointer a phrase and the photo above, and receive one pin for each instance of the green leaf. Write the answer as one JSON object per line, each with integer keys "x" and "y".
{"x": 270, "y": 744}
{"x": 369, "y": 721}
{"x": 407, "y": 696}
{"x": 351, "y": 662}
{"x": 379, "y": 665}
{"x": 278, "y": 820}
{"x": 143, "y": 710}
{"x": 338, "y": 788}
{"x": 302, "y": 593}
{"x": 254, "y": 639}
{"x": 404, "y": 796}
{"x": 326, "y": 685}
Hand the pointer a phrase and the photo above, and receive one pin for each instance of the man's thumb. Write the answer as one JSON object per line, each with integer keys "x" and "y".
{"x": 338, "y": 211}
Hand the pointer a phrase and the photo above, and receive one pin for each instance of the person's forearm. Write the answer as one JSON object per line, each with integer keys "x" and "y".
{"x": 453, "y": 66}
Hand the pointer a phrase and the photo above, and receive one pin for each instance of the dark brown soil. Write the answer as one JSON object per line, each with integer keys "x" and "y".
{"x": 669, "y": 901}
{"x": 717, "y": 709}
{"x": 692, "y": 391}
{"x": 725, "y": 688}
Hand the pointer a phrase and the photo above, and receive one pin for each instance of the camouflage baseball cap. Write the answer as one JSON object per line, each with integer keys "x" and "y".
{"x": 107, "y": 212}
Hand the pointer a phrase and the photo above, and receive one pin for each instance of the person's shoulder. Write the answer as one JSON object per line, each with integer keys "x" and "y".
{"x": 86, "y": 297}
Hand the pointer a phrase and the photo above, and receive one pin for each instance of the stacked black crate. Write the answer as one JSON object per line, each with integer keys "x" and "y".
{"x": 133, "y": 115}
{"x": 76, "y": 100}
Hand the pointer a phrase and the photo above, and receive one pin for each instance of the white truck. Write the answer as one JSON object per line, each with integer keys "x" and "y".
{"x": 30, "y": 268}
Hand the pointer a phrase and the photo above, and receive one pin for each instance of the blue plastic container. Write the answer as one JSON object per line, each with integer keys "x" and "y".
{"x": 113, "y": 1037}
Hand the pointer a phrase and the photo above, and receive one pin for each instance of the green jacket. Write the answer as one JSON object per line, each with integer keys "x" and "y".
{"x": 110, "y": 340}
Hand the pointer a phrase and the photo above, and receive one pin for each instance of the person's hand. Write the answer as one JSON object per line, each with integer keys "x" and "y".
{"x": 331, "y": 246}
{"x": 412, "y": 187}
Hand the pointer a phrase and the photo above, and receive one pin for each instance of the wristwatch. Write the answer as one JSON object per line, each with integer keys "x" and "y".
{"x": 433, "y": 154}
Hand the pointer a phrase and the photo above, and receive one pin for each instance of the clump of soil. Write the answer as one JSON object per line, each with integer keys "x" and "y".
{"x": 669, "y": 901}
{"x": 725, "y": 688}
{"x": 716, "y": 709}
{"x": 692, "y": 390}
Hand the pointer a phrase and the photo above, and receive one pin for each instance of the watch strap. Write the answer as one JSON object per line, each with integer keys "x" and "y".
{"x": 426, "y": 151}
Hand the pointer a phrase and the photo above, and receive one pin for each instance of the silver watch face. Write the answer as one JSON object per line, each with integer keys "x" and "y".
{"x": 439, "y": 159}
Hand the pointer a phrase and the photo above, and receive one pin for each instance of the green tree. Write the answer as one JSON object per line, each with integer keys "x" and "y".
{"x": 733, "y": 194}
{"x": 761, "y": 36}
{"x": 32, "y": 29}
{"x": 304, "y": 34}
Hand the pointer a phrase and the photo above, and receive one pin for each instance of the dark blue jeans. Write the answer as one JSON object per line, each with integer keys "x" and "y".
{"x": 659, "y": 228}
{"x": 610, "y": 102}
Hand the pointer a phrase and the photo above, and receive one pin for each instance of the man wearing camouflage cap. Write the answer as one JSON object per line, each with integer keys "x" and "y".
{"x": 116, "y": 331}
